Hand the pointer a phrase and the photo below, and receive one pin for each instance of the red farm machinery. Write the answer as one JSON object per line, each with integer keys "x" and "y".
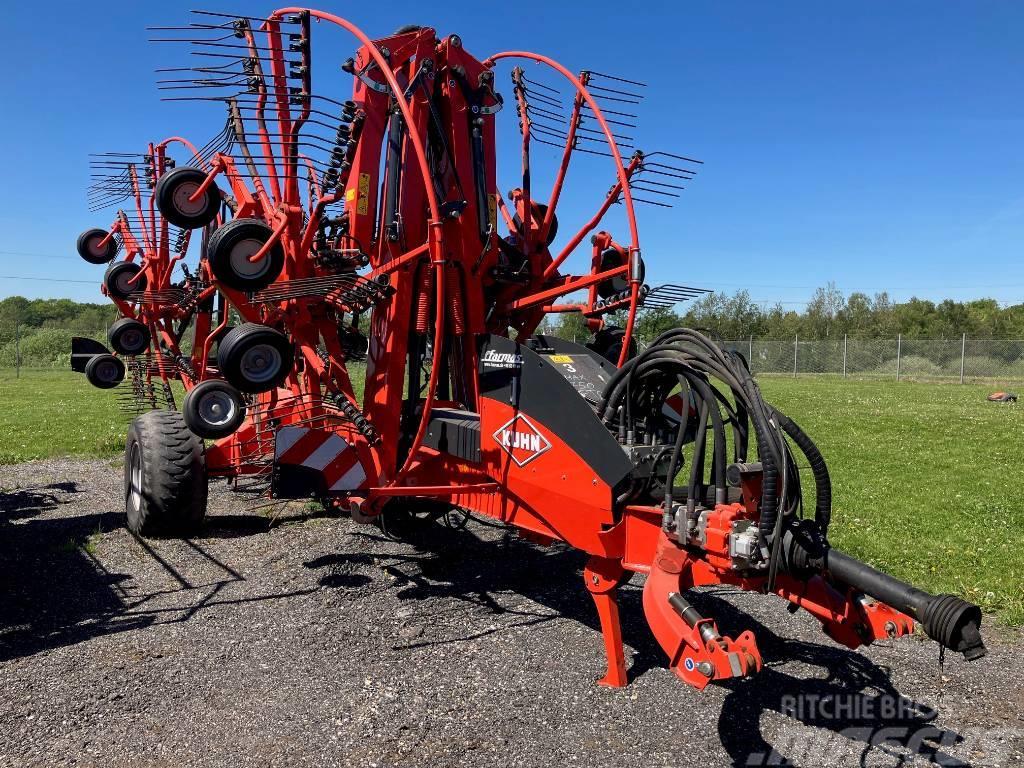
{"x": 364, "y": 323}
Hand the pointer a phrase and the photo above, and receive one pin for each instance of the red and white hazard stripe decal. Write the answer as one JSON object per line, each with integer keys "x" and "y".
{"x": 326, "y": 452}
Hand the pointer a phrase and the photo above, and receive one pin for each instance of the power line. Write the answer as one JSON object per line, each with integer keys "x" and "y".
{"x": 35, "y": 255}
{"x": 48, "y": 279}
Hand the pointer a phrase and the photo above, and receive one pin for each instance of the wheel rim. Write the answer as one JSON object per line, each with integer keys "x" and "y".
{"x": 181, "y": 200}
{"x": 108, "y": 372}
{"x": 123, "y": 282}
{"x": 241, "y": 252}
{"x": 217, "y": 409}
{"x": 260, "y": 363}
{"x": 135, "y": 478}
{"x": 133, "y": 340}
{"x": 93, "y": 246}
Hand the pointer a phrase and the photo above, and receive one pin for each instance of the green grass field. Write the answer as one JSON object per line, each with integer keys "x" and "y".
{"x": 923, "y": 473}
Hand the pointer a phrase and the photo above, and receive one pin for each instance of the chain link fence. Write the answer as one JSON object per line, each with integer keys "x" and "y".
{"x": 940, "y": 360}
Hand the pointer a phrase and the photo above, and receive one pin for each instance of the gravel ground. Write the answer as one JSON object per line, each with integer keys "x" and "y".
{"x": 316, "y": 641}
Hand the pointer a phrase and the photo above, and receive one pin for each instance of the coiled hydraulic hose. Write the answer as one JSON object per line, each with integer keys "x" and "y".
{"x": 633, "y": 397}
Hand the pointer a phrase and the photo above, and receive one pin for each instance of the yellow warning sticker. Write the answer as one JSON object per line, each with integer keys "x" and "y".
{"x": 561, "y": 358}
{"x": 364, "y": 194}
{"x": 350, "y": 195}
{"x": 492, "y": 212}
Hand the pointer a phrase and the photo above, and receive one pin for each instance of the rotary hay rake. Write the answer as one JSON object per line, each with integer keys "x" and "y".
{"x": 380, "y": 241}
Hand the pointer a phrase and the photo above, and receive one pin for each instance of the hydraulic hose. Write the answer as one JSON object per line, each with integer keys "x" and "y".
{"x": 822, "y": 481}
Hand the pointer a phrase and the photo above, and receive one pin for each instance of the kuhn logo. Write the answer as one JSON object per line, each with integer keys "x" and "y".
{"x": 492, "y": 359}
{"x": 521, "y": 440}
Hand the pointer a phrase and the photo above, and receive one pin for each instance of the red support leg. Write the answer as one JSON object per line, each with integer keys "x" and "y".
{"x": 602, "y": 579}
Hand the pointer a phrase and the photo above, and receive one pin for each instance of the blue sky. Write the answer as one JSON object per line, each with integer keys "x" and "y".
{"x": 879, "y": 145}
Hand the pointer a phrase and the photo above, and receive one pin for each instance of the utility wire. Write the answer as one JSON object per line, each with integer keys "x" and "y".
{"x": 48, "y": 279}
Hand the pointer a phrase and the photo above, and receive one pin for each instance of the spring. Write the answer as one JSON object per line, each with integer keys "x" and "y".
{"x": 423, "y": 291}
{"x": 454, "y": 287}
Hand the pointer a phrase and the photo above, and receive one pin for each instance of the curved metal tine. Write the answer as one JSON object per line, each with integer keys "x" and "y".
{"x": 684, "y": 176}
{"x": 612, "y": 112}
{"x": 197, "y": 84}
{"x": 602, "y": 140}
{"x": 595, "y": 152}
{"x": 654, "y": 183}
{"x": 651, "y": 202}
{"x": 221, "y": 68}
{"x": 637, "y": 185}
{"x": 544, "y": 112}
{"x": 211, "y": 40}
{"x": 593, "y": 73}
{"x": 601, "y": 98}
{"x": 674, "y": 157}
{"x": 603, "y": 89}
{"x": 540, "y": 84}
{"x": 601, "y": 133}
{"x": 289, "y": 19}
{"x": 543, "y": 99}
{"x": 238, "y": 78}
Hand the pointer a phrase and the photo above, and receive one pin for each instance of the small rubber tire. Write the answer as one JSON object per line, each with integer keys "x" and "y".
{"x": 165, "y": 484}
{"x": 229, "y": 251}
{"x": 255, "y": 358}
{"x": 128, "y": 336}
{"x": 172, "y": 198}
{"x": 88, "y": 246}
{"x": 117, "y": 276}
{"x": 213, "y": 409}
{"x": 553, "y": 229}
{"x": 104, "y": 371}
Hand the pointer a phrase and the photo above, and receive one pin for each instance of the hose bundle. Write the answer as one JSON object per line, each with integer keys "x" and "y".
{"x": 719, "y": 393}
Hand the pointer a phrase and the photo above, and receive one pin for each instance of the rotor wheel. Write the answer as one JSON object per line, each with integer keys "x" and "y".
{"x": 118, "y": 279}
{"x": 173, "y": 197}
{"x": 104, "y": 371}
{"x": 231, "y": 249}
{"x": 255, "y": 358}
{"x": 89, "y": 246}
{"x": 128, "y": 336}
{"x": 165, "y": 484}
{"x": 213, "y": 409}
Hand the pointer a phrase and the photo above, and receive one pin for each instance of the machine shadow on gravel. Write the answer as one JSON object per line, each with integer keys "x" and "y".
{"x": 55, "y": 592}
{"x": 871, "y": 710}
{"x": 446, "y": 566}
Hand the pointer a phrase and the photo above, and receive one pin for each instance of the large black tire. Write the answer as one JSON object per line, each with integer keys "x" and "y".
{"x": 213, "y": 409}
{"x": 165, "y": 483}
{"x": 118, "y": 276}
{"x": 104, "y": 371}
{"x": 255, "y": 358}
{"x": 128, "y": 336}
{"x": 89, "y": 248}
{"x": 229, "y": 251}
{"x": 172, "y": 198}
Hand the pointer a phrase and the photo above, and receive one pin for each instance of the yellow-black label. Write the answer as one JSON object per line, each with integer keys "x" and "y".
{"x": 364, "y": 194}
{"x": 561, "y": 359}
{"x": 492, "y": 212}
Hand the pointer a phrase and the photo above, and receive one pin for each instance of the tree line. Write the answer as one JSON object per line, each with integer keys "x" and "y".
{"x": 45, "y": 326}
{"x": 828, "y": 315}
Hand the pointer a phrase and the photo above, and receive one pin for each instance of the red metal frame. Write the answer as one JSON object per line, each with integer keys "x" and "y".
{"x": 443, "y": 267}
